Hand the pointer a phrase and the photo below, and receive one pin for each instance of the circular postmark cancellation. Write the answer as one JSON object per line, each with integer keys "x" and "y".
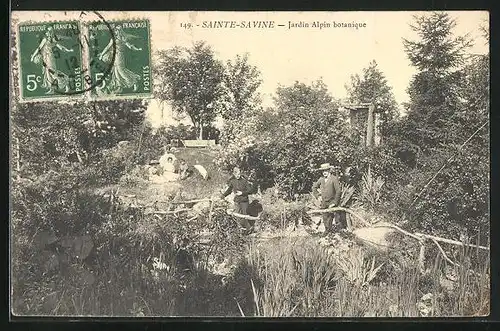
{"x": 78, "y": 74}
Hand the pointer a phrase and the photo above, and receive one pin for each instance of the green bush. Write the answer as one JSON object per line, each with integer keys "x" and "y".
{"x": 287, "y": 143}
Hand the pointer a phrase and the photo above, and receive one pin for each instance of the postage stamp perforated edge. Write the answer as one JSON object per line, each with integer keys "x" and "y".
{"x": 58, "y": 97}
{"x": 135, "y": 96}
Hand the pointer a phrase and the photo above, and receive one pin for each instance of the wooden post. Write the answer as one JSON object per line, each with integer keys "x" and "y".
{"x": 370, "y": 125}
{"x": 377, "y": 137}
{"x": 421, "y": 258}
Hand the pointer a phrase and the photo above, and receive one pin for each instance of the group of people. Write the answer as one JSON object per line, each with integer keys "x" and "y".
{"x": 169, "y": 167}
{"x": 326, "y": 189}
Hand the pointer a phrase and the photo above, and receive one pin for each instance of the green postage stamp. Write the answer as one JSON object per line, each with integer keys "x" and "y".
{"x": 50, "y": 58}
{"x": 120, "y": 62}
{"x": 77, "y": 59}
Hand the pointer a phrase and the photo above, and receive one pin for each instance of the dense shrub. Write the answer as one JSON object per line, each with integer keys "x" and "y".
{"x": 285, "y": 144}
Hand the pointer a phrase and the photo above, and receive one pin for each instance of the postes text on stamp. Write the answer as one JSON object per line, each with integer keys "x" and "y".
{"x": 130, "y": 72}
{"x": 50, "y": 57}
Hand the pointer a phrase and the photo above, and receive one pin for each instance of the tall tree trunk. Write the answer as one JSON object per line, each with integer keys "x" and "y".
{"x": 201, "y": 132}
{"x": 370, "y": 125}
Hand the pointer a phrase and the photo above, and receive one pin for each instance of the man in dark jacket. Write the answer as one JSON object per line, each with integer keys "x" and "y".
{"x": 327, "y": 188}
{"x": 241, "y": 188}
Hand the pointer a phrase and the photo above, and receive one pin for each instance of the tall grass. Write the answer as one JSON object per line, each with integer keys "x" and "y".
{"x": 301, "y": 278}
{"x": 370, "y": 190}
{"x": 294, "y": 277}
{"x": 473, "y": 294}
{"x": 287, "y": 277}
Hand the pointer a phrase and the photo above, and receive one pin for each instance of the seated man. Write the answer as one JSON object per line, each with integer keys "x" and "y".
{"x": 184, "y": 171}
{"x": 166, "y": 159}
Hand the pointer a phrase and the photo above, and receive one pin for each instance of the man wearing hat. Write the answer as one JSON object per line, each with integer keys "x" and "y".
{"x": 327, "y": 189}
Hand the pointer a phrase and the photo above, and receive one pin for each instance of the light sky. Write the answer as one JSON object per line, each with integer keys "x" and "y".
{"x": 304, "y": 54}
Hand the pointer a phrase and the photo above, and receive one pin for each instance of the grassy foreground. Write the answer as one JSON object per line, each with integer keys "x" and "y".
{"x": 152, "y": 266}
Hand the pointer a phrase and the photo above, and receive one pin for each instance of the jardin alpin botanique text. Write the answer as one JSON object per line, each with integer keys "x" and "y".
{"x": 273, "y": 24}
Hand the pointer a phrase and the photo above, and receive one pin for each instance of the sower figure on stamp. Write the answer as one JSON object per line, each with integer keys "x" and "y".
{"x": 45, "y": 55}
{"x": 120, "y": 76}
{"x": 241, "y": 188}
{"x": 327, "y": 190}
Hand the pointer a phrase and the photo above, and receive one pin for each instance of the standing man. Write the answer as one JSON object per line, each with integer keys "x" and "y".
{"x": 241, "y": 188}
{"x": 327, "y": 189}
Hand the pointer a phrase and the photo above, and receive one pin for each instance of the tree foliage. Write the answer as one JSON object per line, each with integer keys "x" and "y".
{"x": 288, "y": 141}
{"x": 434, "y": 91}
{"x": 449, "y": 101}
{"x": 190, "y": 79}
{"x": 240, "y": 99}
{"x": 242, "y": 81}
{"x": 54, "y": 135}
{"x": 437, "y": 50}
{"x": 372, "y": 86}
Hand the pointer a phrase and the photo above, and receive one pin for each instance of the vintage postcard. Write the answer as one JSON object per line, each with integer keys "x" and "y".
{"x": 250, "y": 164}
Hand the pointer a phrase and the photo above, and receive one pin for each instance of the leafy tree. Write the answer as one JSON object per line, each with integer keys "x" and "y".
{"x": 311, "y": 132}
{"x": 242, "y": 81}
{"x": 52, "y": 135}
{"x": 240, "y": 99}
{"x": 288, "y": 141}
{"x": 191, "y": 80}
{"x": 372, "y": 86}
{"x": 434, "y": 90}
{"x": 449, "y": 102}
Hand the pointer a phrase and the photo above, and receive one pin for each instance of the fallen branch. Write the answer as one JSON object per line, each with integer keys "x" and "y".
{"x": 138, "y": 206}
{"x": 397, "y": 228}
{"x": 247, "y": 217}
{"x": 450, "y": 241}
{"x": 167, "y": 212}
{"x": 190, "y": 201}
{"x": 444, "y": 254}
{"x": 329, "y": 210}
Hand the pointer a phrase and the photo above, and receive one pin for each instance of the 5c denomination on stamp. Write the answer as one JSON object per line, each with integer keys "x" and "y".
{"x": 50, "y": 56}
{"x": 130, "y": 74}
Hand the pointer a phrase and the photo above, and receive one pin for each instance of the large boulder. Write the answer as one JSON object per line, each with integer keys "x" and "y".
{"x": 376, "y": 237}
